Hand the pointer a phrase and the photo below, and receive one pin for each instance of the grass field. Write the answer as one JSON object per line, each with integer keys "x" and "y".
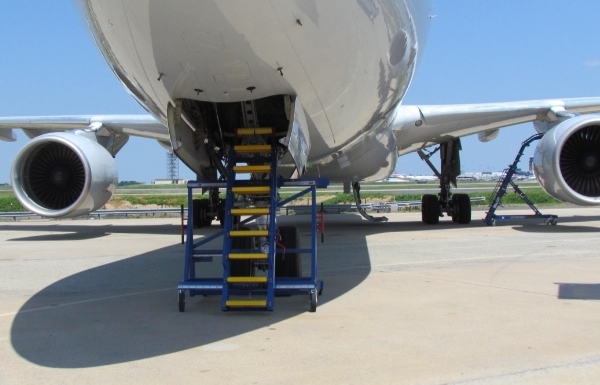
{"x": 8, "y": 202}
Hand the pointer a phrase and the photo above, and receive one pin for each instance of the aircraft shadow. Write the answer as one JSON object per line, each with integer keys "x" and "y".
{"x": 64, "y": 232}
{"x": 541, "y": 228}
{"x": 127, "y": 310}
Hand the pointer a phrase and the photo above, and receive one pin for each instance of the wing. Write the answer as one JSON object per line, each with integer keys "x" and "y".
{"x": 416, "y": 127}
{"x": 143, "y": 126}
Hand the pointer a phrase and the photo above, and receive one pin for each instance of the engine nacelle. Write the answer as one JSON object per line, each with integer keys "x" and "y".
{"x": 567, "y": 161}
{"x": 63, "y": 174}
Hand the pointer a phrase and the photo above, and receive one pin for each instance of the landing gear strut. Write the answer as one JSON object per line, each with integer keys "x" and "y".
{"x": 458, "y": 206}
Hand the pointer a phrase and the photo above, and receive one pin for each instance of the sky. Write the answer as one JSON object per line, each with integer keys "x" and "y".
{"x": 477, "y": 52}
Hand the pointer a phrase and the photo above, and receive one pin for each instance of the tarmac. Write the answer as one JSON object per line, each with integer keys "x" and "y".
{"x": 95, "y": 301}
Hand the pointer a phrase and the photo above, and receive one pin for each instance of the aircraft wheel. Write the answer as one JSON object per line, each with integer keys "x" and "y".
{"x": 288, "y": 264}
{"x": 200, "y": 211}
{"x": 455, "y": 207}
{"x": 313, "y": 301}
{"x": 464, "y": 209}
{"x": 430, "y": 209}
{"x": 221, "y": 213}
{"x": 181, "y": 301}
{"x": 197, "y": 212}
{"x": 205, "y": 219}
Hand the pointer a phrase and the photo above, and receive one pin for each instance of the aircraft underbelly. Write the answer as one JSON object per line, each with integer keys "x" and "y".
{"x": 349, "y": 63}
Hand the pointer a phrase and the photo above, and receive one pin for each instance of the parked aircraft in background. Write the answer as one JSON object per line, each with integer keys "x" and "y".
{"x": 395, "y": 177}
{"x": 329, "y": 78}
{"x": 422, "y": 178}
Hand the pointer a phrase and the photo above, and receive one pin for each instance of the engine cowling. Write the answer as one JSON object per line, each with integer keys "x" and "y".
{"x": 63, "y": 174}
{"x": 567, "y": 161}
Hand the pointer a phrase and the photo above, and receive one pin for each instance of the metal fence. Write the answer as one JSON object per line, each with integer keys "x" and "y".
{"x": 295, "y": 209}
{"x": 102, "y": 213}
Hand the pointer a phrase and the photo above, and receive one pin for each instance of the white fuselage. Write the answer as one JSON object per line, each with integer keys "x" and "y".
{"x": 349, "y": 63}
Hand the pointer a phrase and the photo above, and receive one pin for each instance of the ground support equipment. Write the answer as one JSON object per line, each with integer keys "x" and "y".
{"x": 258, "y": 263}
{"x": 504, "y": 181}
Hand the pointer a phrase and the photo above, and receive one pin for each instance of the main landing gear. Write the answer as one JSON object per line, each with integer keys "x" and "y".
{"x": 458, "y": 206}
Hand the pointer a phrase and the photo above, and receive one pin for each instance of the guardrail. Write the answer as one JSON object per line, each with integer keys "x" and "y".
{"x": 99, "y": 213}
{"x": 377, "y": 206}
{"x": 297, "y": 209}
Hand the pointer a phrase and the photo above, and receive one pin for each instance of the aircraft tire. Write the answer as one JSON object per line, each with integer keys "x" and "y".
{"x": 288, "y": 264}
{"x": 197, "y": 212}
{"x": 204, "y": 212}
{"x": 200, "y": 209}
{"x": 430, "y": 209}
{"x": 455, "y": 207}
{"x": 221, "y": 213}
{"x": 464, "y": 209}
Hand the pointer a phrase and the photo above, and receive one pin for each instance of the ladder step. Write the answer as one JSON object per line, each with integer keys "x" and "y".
{"x": 251, "y": 211}
{"x": 255, "y": 131}
{"x": 247, "y": 303}
{"x": 252, "y": 169}
{"x": 247, "y": 279}
{"x": 251, "y": 190}
{"x": 238, "y": 256}
{"x": 252, "y": 148}
{"x": 249, "y": 233}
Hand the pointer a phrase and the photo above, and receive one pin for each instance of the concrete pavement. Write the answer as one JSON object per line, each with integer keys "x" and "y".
{"x": 94, "y": 301}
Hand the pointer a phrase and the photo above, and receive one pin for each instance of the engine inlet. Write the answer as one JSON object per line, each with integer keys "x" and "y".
{"x": 580, "y": 161}
{"x": 56, "y": 176}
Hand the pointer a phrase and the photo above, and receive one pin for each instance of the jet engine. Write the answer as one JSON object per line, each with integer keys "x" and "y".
{"x": 63, "y": 174}
{"x": 567, "y": 161}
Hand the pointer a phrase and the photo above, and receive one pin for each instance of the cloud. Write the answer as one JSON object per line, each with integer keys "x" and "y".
{"x": 592, "y": 63}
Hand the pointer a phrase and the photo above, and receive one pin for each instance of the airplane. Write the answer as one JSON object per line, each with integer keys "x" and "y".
{"x": 329, "y": 79}
{"x": 395, "y": 177}
{"x": 422, "y": 178}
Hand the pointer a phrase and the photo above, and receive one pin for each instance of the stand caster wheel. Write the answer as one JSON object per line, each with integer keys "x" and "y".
{"x": 181, "y": 301}
{"x": 313, "y": 301}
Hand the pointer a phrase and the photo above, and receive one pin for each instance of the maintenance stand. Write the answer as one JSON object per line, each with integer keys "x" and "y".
{"x": 503, "y": 182}
{"x": 261, "y": 262}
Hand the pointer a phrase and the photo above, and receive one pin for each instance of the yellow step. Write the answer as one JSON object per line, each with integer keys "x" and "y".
{"x": 247, "y": 303}
{"x": 252, "y": 148}
{"x": 250, "y": 190}
{"x": 238, "y": 256}
{"x": 249, "y": 233}
{"x": 255, "y": 131}
{"x": 251, "y": 169}
{"x": 247, "y": 279}
{"x": 251, "y": 211}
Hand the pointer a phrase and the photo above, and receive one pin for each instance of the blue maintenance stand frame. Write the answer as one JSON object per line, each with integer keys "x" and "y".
{"x": 504, "y": 181}
{"x": 284, "y": 286}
